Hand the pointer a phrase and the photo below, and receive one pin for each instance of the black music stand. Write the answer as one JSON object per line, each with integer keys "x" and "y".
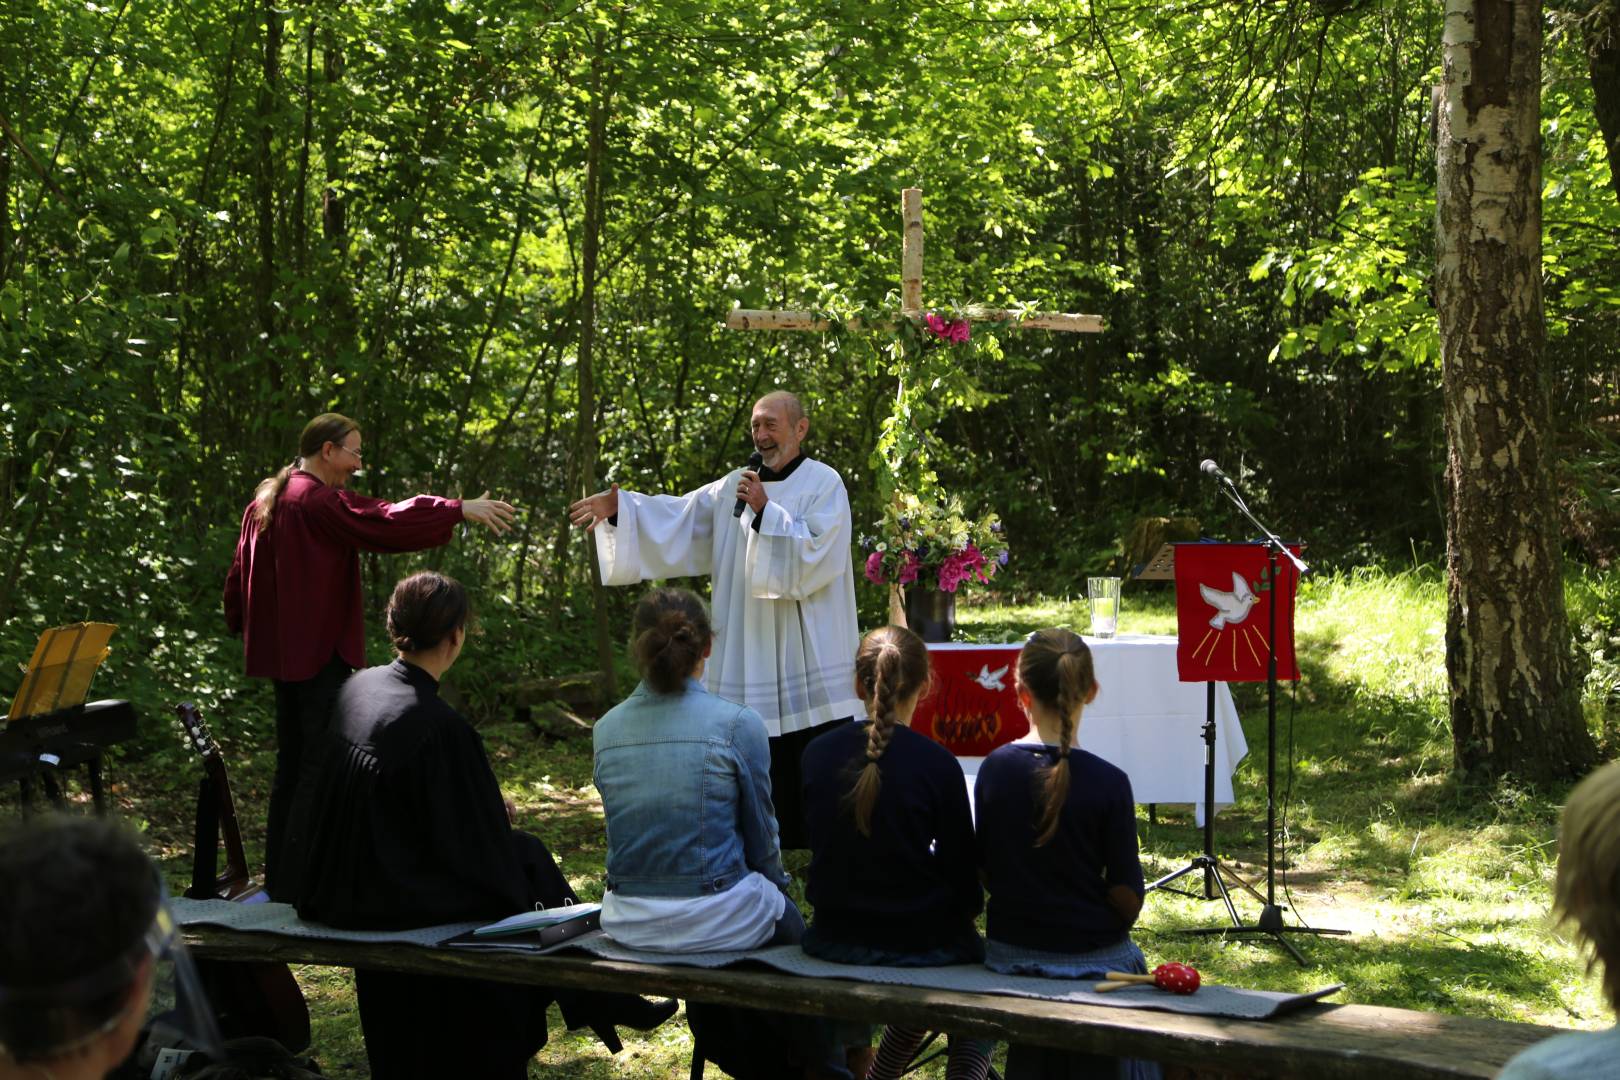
{"x": 1270, "y": 921}
{"x": 1161, "y": 567}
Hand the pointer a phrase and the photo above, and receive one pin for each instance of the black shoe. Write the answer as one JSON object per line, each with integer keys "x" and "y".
{"x": 642, "y": 1014}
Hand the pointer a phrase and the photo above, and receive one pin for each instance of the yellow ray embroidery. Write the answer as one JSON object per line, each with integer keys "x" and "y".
{"x": 1201, "y": 644}
{"x": 1250, "y": 644}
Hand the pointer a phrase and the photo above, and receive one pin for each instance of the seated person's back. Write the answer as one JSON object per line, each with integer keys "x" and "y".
{"x": 1057, "y": 840}
{"x": 1587, "y": 893}
{"x": 693, "y": 862}
{"x": 84, "y": 935}
{"x": 893, "y": 875}
{"x": 409, "y": 828}
{"x": 892, "y": 864}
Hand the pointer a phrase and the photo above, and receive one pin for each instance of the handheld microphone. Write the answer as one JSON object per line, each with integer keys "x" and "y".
{"x": 1209, "y": 468}
{"x": 754, "y": 462}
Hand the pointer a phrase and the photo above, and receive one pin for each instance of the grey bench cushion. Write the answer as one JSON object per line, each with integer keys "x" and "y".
{"x": 1210, "y": 1000}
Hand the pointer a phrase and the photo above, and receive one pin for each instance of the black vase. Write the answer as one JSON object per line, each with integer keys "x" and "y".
{"x": 930, "y": 612}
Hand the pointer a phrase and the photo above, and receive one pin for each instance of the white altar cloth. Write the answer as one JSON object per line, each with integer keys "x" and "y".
{"x": 1146, "y": 721}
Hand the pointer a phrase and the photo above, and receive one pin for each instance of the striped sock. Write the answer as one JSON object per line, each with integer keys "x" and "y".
{"x": 895, "y": 1052}
{"x": 969, "y": 1058}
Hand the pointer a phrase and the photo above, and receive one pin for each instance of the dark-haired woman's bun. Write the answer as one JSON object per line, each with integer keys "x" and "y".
{"x": 672, "y": 634}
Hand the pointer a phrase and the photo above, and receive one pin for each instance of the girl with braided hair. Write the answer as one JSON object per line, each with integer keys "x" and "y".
{"x": 892, "y": 866}
{"x": 1057, "y": 842}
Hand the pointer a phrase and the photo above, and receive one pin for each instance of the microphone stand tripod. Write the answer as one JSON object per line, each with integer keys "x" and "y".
{"x": 1271, "y": 919}
{"x": 1215, "y": 871}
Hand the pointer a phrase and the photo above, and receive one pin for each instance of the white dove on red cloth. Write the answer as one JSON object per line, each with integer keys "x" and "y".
{"x": 1230, "y": 607}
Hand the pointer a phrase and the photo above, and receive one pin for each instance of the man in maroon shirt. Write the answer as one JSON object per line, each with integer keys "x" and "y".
{"x": 293, "y": 593}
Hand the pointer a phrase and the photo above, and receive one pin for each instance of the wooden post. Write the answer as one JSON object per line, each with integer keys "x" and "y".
{"x": 911, "y": 262}
{"x": 911, "y": 251}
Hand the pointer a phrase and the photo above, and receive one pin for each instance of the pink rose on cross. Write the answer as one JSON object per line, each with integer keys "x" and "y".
{"x": 954, "y": 331}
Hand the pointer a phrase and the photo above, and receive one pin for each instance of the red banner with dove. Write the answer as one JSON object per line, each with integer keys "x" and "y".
{"x": 1223, "y": 605}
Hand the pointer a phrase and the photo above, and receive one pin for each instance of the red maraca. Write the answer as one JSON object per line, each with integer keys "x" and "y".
{"x": 1176, "y": 978}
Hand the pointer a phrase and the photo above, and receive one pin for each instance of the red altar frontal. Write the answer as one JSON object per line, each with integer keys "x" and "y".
{"x": 972, "y": 708}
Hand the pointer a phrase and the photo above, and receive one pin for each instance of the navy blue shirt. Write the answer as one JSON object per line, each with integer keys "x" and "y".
{"x": 1055, "y": 897}
{"x": 913, "y": 884}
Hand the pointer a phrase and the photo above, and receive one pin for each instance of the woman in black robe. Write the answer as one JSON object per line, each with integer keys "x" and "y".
{"x": 409, "y": 828}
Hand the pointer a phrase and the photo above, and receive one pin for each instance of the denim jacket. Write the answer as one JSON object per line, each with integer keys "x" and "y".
{"x": 686, "y": 784}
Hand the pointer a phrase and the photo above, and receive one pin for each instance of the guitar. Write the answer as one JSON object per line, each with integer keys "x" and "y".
{"x": 256, "y": 997}
{"x": 215, "y": 801}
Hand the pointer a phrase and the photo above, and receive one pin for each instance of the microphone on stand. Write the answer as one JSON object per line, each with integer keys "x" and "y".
{"x": 1209, "y": 468}
{"x": 754, "y": 462}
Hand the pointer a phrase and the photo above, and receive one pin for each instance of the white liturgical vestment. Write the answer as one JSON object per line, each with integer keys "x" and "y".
{"x": 784, "y": 596}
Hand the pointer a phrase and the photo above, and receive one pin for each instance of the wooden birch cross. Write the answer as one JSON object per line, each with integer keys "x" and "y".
{"x": 911, "y": 307}
{"x": 911, "y": 299}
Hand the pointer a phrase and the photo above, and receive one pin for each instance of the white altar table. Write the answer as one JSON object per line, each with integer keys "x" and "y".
{"x": 1144, "y": 720}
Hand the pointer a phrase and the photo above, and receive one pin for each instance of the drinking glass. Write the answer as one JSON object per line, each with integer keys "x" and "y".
{"x": 1103, "y": 592}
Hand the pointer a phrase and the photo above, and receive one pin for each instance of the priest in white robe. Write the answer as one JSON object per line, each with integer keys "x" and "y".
{"x": 784, "y": 586}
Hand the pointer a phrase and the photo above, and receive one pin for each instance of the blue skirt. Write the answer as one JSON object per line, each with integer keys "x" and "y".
{"x": 1040, "y": 1063}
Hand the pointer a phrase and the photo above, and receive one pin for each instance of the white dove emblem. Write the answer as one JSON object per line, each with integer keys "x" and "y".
{"x": 991, "y": 680}
{"x": 1230, "y": 607}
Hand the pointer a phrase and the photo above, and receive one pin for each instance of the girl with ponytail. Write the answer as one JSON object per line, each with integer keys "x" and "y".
{"x": 892, "y": 866}
{"x": 1057, "y": 842}
{"x": 293, "y": 593}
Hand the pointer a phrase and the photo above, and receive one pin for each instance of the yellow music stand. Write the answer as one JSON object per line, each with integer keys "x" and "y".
{"x": 64, "y": 662}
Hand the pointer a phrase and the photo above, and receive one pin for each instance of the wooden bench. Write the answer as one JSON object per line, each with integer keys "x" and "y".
{"x": 1318, "y": 1042}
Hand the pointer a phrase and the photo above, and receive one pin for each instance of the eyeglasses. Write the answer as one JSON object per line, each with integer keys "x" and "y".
{"x": 351, "y": 450}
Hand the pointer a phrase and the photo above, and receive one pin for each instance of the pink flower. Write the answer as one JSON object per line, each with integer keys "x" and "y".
{"x": 909, "y": 568}
{"x": 874, "y": 568}
{"x": 964, "y": 565}
{"x": 954, "y": 331}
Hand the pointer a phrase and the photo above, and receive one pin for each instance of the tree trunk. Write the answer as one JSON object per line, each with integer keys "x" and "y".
{"x": 5, "y": 205}
{"x": 1601, "y": 31}
{"x": 265, "y": 185}
{"x": 1514, "y": 680}
{"x": 590, "y": 247}
{"x": 337, "y": 298}
{"x": 300, "y": 214}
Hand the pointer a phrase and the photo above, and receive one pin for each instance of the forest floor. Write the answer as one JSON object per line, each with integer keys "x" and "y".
{"x": 1445, "y": 887}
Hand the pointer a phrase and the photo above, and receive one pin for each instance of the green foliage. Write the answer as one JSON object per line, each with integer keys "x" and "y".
{"x": 203, "y": 242}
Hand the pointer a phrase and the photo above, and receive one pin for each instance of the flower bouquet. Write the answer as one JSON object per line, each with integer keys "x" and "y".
{"x": 933, "y": 543}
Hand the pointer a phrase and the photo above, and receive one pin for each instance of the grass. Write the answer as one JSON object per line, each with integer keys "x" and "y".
{"x": 1445, "y": 887}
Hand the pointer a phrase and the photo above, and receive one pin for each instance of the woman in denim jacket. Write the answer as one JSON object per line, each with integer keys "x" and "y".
{"x": 693, "y": 861}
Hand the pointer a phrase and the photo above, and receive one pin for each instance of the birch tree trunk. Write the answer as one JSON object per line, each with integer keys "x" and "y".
{"x": 1514, "y": 679}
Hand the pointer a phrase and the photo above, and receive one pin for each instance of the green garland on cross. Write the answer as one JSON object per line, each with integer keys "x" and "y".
{"x": 927, "y": 534}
